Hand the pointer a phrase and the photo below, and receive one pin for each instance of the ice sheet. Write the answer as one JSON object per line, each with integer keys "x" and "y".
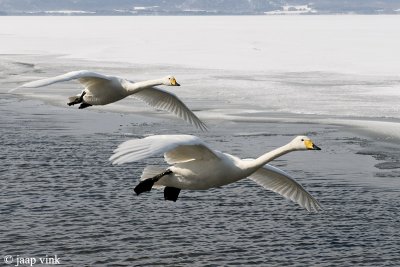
{"x": 337, "y": 67}
{"x": 355, "y": 44}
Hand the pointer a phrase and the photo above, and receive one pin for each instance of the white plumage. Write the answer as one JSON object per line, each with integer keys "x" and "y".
{"x": 278, "y": 181}
{"x": 101, "y": 89}
{"x": 195, "y": 166}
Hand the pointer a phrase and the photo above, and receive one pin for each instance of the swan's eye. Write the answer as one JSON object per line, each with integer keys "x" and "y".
{"x": 169, "y": 78}
{"x": 302, "y": 140}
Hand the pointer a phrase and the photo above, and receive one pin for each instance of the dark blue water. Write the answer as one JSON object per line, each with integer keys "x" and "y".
{"x": 61, "y": 196}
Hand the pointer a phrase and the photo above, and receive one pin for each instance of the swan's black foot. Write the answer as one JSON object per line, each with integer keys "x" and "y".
{"x": 144, "y": 186}
{"x": 171, "y": 193}
{"x": 76, "y": 100}
{"x": 72, "y": 103}
{"x": 147, "y": 184}
{"x": 84, "y": 105}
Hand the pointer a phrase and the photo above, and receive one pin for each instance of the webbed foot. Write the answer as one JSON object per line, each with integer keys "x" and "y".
{"x": 144, "y": 186}
{"x": 171, "y": 193}
{"x": 84, "y": 105}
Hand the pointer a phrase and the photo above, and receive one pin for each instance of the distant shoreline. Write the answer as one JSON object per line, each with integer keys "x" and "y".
{"x": 79, "y": 13}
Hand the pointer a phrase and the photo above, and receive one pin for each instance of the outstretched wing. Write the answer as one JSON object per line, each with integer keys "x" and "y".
{"x": 86, "y": 78}
{"x": 176, "y": 148}
{"x": 278, "y": 181}
{"x": 167, "y": 101}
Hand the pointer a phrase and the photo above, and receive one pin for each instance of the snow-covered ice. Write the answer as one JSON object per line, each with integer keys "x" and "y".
{"x": 332, "y": 66}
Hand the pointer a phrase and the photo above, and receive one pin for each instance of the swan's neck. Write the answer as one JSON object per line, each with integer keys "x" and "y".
{"x": 135, "y": 87}
{"x": 267, "y": 157}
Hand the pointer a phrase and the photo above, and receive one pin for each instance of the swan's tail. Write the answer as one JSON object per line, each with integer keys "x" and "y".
{"x": 150, "y": 171}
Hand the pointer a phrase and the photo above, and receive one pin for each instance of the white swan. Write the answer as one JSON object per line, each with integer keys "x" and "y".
{"x": 195, "y": 166}
{"x": 102, "y": 90}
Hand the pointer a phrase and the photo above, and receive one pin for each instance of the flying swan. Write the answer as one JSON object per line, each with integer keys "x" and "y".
{"x": 102, "y": 90}
{"x": 195, "y": 166}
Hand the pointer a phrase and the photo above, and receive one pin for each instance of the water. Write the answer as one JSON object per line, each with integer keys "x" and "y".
{"x": 61, "y": 196}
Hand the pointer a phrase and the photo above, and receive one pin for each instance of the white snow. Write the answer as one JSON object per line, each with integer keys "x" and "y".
{"x": 69, "y": 12}
{"x": 343, "y": 66}
{"x": 293, "y": 10}
{"x": 349, "y": 44}
{"x": 142, "y": 8}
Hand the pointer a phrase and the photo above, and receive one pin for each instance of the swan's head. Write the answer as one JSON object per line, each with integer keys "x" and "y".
{"x": 170, "y": 81}
{"x": 303, "y": 143}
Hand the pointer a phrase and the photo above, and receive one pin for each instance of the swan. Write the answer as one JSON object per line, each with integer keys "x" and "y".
{"x": 195, "y": 166}
{"x": 101, "y": 89}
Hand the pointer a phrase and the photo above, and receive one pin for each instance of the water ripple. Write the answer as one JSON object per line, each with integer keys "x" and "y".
{"x": 60, "y": 195}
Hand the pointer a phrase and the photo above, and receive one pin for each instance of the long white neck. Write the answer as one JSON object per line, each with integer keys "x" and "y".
{"x": 135, "y": 87}
{"x": 267, "y": 157}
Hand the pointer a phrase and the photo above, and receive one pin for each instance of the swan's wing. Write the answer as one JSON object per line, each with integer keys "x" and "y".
{"x": 167, "y": 101}
{"x": 278, "y": 181}
{"x": 85, "y": 78}
{"x": 176, "y": 148}
{"x": 185, "y": 153}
